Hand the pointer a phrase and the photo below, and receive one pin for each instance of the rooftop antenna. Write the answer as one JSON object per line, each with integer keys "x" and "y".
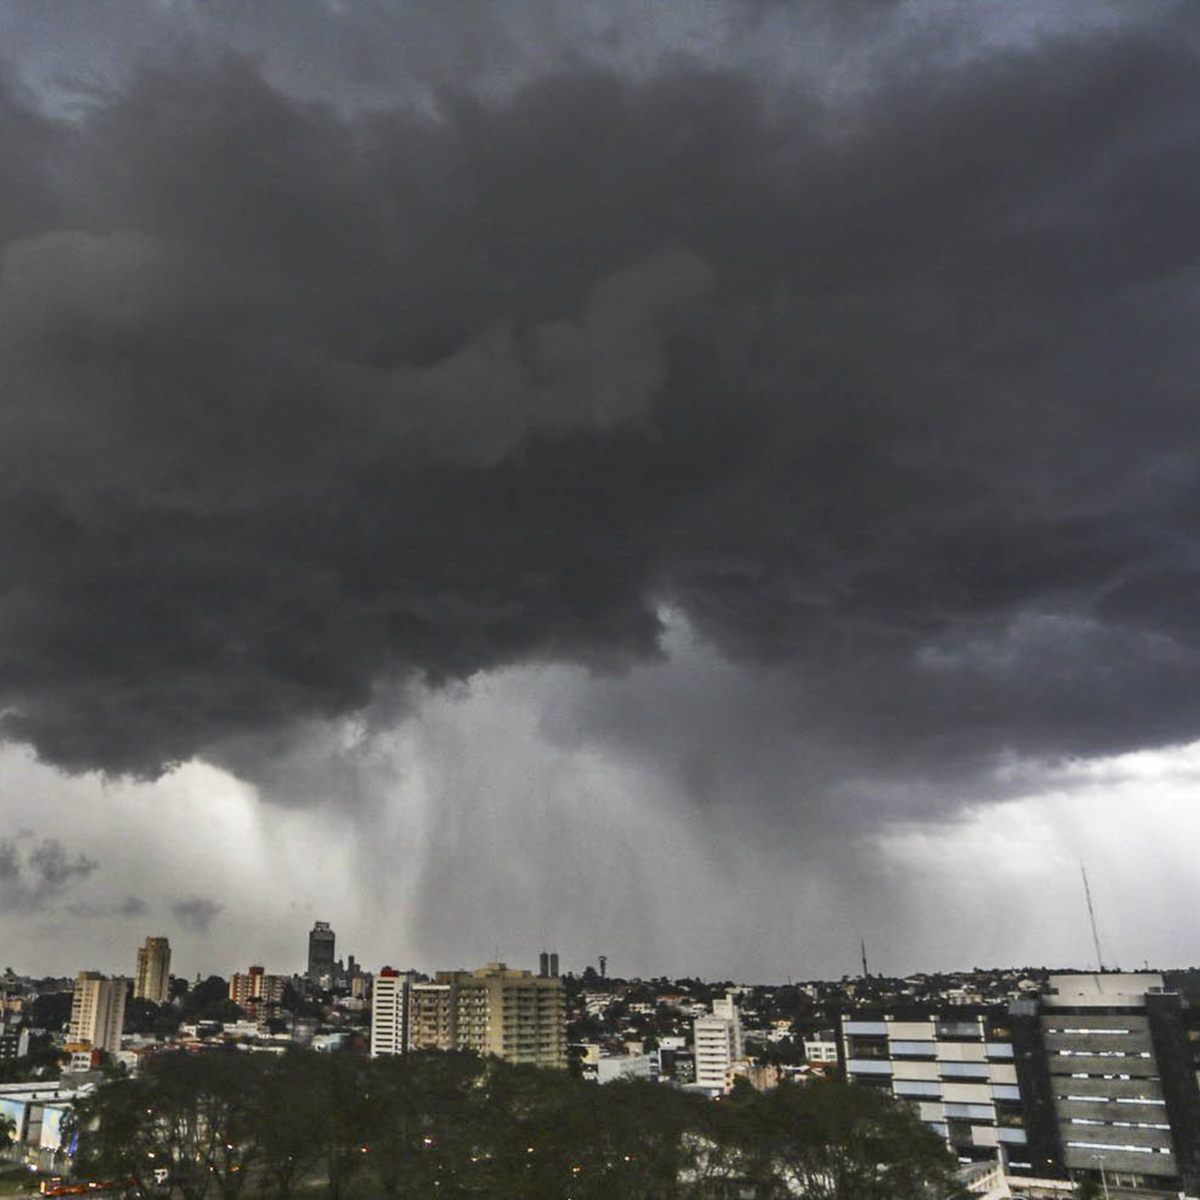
{"x": 1087, "y": 891}
{"x": 866, "y": 973}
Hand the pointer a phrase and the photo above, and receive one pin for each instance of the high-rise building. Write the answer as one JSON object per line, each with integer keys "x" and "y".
{"x": 256, "y": 989}
{"x": 152, "y": 979}
{"x": 1123, "y": 1081}
{"x": 959, "y": 1068}
{"x": 320, "y": 955}
{"x": 98, "y": 1011}
{"x": 509, "y": 1013}
{"x": 1096, "y": 1078}
{"x": 409, "y": 1014}
{"x": 430, "y": 1016}
{"x": 717, "y": 1043}
{"x": 389, "y": 1013}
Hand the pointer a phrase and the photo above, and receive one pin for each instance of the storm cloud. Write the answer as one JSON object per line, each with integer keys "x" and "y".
{"x": 196, "y": 913}
{"x": 39, "y": 874}
{"x": 888, "y": 394}
{"x": 732, "y": 433}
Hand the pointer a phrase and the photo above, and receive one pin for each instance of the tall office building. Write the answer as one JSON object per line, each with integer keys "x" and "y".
{"x": 1124, "y": 1084}
{"x": 320, "y": 955}
{"x": 98, "y": 1011}
{"x": 152, "y": 979}
{"x": 959, "y": 1069}
{"x": 1096, "y": 1078}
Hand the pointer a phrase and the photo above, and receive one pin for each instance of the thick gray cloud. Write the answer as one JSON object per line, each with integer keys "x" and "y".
{"x": 39, "y": 874}
{"x": 54, "y": 865}
{"x": 883, "y": 387}
{"x": 197, "y": 913}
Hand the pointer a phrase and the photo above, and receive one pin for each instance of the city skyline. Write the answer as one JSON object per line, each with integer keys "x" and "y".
{"x": 702, "y": 484}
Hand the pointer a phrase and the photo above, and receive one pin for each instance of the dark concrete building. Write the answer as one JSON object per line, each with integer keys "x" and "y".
{"x": 320, "y": 955}
{"x": 1126, "y": 1100}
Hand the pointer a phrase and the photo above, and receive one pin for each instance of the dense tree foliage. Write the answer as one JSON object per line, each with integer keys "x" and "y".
{"x": 208, "y": 1000}
{"x": 231, "y": 1125}
{"x": 50, "y": 1011}
{"x": 144, "y": 1016}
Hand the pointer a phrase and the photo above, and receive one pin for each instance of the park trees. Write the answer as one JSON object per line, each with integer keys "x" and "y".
{"x": 231, "y": 1125}
{"x": 194, "y": 1116}
{"x": 833, "y": 1141}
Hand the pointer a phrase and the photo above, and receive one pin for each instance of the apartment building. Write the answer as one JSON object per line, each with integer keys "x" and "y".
{"x": 496, "y": 1010}
{"x": 718, "y": 1045}
{"x": 152, "y": 975}
{"x": 513, "y": 1014}
{"x": 256, "y": 990}
{"x": 410, "y": 1014}
{"x": 97, "y": 1011}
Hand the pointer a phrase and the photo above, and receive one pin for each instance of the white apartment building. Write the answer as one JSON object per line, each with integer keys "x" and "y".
{"x": 718, "y": 1045}
{"x": 389, "y": 1014}
{"x": 98, "y": 1011}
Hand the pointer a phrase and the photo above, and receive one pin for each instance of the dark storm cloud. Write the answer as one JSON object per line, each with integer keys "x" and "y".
{"x": 890, "y": 397}
{"x": 197, "y": 913}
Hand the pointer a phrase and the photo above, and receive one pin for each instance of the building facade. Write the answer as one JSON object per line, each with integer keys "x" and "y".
{"x": 152, "y": 977}
{"x": 1095, "y": 1078}
{"x": 389, "y": 1013}
{"x": 958, "y": 1069}
{"x": 256, "y": 990}
{"x": 718, "y": 1045}
{"x": 410, "y": 1014}
{"x": 320, "y": 955}
{"x": 97, "y": 1011}
{"x": 1124, "y": 1087}
{"x": 510, "y": 1013}
{"x": 495, "y": 1010}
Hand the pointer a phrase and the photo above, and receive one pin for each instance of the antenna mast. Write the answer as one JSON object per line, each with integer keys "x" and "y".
{"x": 866, "y": 973}
{"x": 1087, "y": 891}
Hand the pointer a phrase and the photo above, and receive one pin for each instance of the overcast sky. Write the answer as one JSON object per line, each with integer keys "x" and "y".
{"x": 701, "y": 483}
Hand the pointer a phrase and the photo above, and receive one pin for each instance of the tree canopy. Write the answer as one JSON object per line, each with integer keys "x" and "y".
{"x": 232, "y": 1125}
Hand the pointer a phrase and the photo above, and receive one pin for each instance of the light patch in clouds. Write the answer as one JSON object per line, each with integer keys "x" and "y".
{"x": 196, "y": 833}
{"x": 480, "y": 827}
{"x": 1007, "y": 876}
